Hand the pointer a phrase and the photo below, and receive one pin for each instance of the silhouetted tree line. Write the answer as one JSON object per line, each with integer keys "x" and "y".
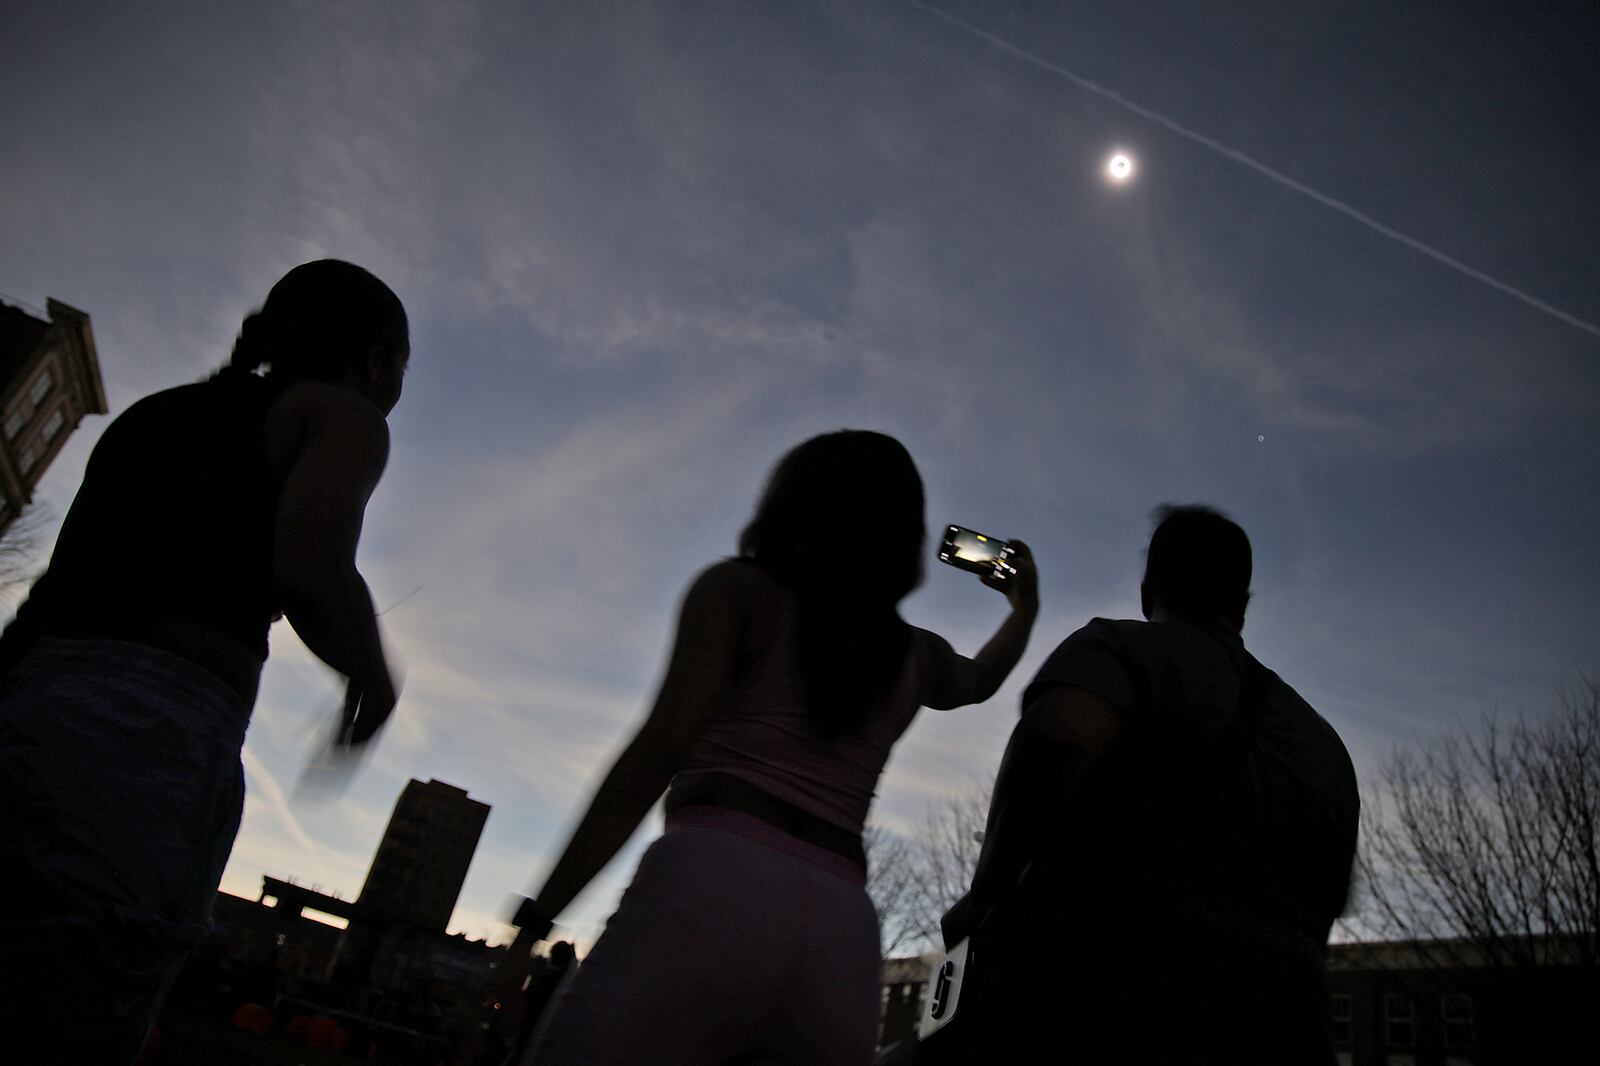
{"x": 1485, "y": 845}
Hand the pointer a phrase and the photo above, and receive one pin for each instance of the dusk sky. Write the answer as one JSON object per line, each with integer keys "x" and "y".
{"x": 646, "y": 247}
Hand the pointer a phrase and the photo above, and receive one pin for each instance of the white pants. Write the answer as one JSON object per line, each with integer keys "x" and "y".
{"x": 724, "y": 950}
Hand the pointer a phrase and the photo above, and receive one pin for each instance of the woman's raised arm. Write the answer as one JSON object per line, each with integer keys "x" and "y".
{"x": 952, "y": 680}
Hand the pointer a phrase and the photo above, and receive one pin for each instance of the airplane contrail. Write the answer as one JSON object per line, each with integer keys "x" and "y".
{"x": 1261, "y": 168}
{"x": 266, "y": 785}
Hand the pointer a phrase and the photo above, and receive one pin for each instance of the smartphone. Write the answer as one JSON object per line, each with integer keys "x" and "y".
{"x": 967, "y": 549}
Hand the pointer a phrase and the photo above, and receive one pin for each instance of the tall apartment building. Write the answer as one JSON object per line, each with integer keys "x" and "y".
{"x": 49, "y": 379}
{"x": 422, "y": 861}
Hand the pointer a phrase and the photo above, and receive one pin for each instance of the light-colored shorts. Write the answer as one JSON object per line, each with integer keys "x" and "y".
{"x": 725, "y": 949}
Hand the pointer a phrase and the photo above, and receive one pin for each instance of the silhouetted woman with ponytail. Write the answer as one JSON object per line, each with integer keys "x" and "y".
{"x": 127, "y": 678}
{"x": 747, "y": 932}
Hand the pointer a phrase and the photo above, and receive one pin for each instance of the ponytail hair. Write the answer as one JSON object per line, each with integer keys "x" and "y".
{"x": 841, "y": 527}
{"x": 252, "y": 350}
{"x": 321, "y": 319}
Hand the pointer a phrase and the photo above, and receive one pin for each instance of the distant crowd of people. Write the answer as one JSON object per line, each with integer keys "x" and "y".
{"x": 1171, "y": 833}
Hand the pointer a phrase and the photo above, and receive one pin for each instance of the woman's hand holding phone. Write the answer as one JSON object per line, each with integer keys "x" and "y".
{"x": 1020, "y": 581}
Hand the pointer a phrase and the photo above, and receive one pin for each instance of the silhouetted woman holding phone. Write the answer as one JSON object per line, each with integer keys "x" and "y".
{"x": 128, "y": 677}
{"x": 747, "y": 930}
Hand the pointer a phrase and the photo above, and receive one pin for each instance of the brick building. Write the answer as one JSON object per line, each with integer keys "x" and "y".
{"x": 1448, "y": 1003}
{"x": 49, "y": 379}
{"x": 395, "y": 958}
{"x": 905, "y": 987}
{"x": 1444, "y": 1003}
{"x": 421, "y": 863}
{"x": 380, "y": 964}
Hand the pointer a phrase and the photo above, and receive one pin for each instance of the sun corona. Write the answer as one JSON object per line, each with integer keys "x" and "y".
{"x": 1119, "y": 168}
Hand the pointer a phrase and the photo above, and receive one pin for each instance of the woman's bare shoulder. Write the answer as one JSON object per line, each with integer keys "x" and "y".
{"x": 743, "y": 594}
{"x": 328, "y": 399}
{"x": 335, "y": 415}
{"x": 929, "y": 644}
{"x": 945, "y": 672}
{"x": 737, "y": 579}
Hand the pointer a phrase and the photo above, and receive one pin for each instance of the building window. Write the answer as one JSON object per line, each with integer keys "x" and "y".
{"x": 1339, "y": 1018}
{"x": 52, "y": 426}
{"x": 40, "y": 389}
{"x": 1456, "y": 1009}
{"x": 26, "y": 460}
{"x": 1399, "y": 1021}
{"x": 14, "y": 423}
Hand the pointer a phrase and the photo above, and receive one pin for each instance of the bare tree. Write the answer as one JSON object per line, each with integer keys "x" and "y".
{"x": 892, "y": 884}
{"x": 20, "y": 550}
{"x": 951, "y": 837}
{"x": 914, "y": 879}
{"x": 1486, "y": 845}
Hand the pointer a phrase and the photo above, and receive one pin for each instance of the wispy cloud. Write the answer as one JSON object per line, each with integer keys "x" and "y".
{"x": 646, "y": 248}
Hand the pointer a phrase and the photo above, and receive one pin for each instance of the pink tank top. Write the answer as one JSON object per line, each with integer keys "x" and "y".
{"x": 764, "y": 736}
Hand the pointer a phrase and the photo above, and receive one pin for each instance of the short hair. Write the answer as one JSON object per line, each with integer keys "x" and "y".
{"x": 1198, "y": 565}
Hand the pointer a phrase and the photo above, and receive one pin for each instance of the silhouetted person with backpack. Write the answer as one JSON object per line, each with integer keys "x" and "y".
{"x": 1169, "y": 843}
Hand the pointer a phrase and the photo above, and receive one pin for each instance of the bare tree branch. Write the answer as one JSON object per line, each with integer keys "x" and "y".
{"x": 892, "y": 884}
{"x": 21, "y": 552}
{"x": 914, "y": 879}
{"x": 1488, "y": 843}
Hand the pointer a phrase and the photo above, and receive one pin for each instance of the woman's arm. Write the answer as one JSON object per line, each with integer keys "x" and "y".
{"x": 952, "y": 680}
{"x": 342, "y": 446}
{"x": 700, "y": 673}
